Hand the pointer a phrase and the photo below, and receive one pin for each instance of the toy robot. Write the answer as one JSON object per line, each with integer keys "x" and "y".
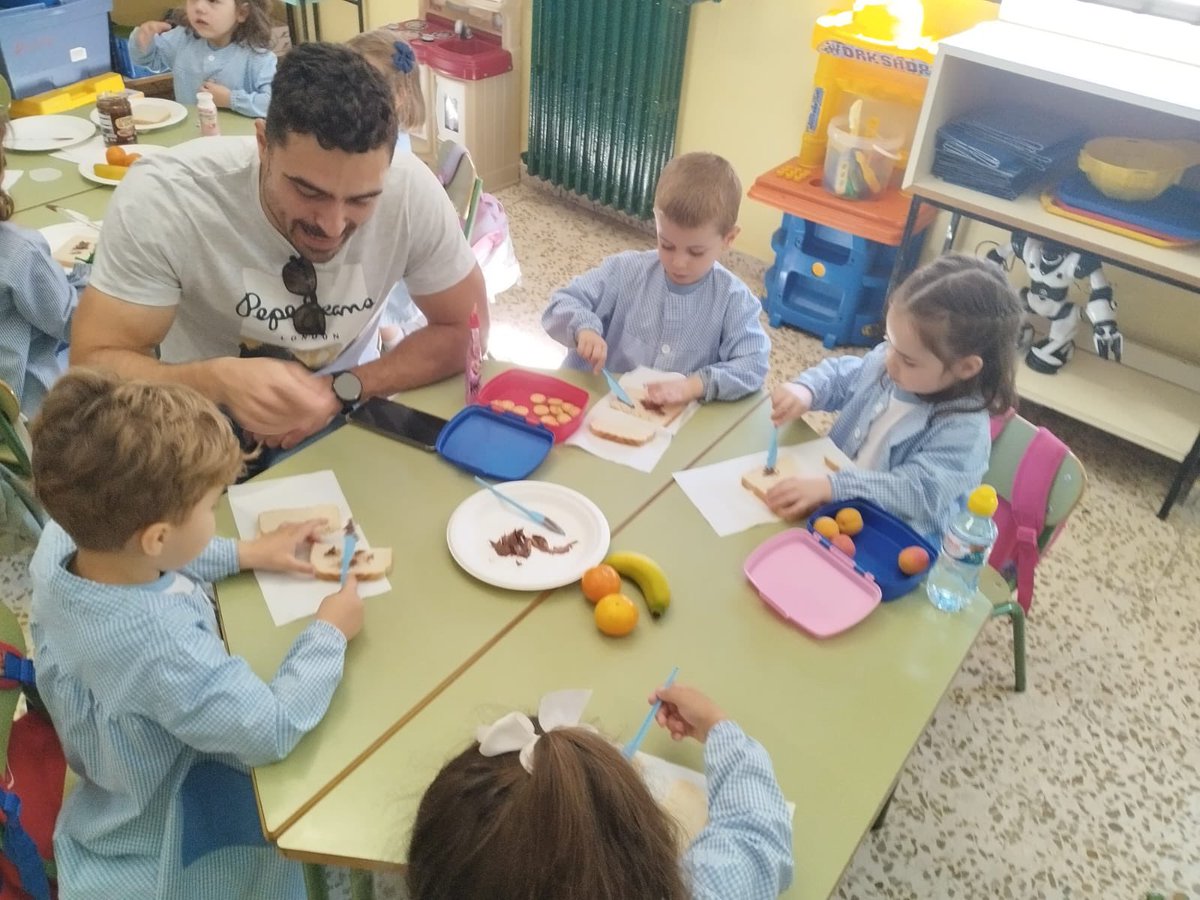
{"x": 1052, "y": 267}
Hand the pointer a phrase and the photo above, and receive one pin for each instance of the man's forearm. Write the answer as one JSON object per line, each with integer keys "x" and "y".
{"x": 425, "y": 356}
{"x": 202, "y": 375}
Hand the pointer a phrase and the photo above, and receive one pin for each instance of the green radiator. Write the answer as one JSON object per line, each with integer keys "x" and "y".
{"x": 604, "y": 96}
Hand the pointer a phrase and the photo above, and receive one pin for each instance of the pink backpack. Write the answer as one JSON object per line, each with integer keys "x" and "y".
{"x": 1021, "y": 518}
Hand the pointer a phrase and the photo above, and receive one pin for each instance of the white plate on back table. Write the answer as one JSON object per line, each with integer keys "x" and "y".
{"x": 86, "y": 170}
{"x": 177, "y": 112}
{"x": 484, "y": 517}
{"x": 37, "y": 134}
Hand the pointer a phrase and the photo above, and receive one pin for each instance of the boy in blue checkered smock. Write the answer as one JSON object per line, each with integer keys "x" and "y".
{"x": 676, "y": 308}
{"x": 158, "y": 721}
{"x": 550, "y": 808}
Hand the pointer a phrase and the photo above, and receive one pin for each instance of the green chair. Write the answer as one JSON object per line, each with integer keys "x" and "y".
{"x": 1007, "y": 450}
{"x": 15, "y": 466}
{"x": 362, "y": 885}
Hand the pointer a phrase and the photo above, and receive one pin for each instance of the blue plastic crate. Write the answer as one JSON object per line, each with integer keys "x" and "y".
{"x": 830, "y": 283}
{"x": 119, "y": 37}
{"x": 50, "y": 44}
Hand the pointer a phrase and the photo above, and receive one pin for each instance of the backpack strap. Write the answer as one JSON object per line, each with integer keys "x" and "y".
{"x": 1032, "y": 483}
{"x": 21, "y": 850}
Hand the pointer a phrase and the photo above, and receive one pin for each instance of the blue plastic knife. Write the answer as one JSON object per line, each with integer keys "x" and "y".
{"x": 349, "y": 543}
{"x": 632, "y": 747}
{"x": 772, "y": 453}
{"x": 541, "y": 518}
{"x": 615, "y": 387}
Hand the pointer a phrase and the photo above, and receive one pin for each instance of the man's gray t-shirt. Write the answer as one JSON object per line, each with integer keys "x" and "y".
{"x": 187, "y": 229}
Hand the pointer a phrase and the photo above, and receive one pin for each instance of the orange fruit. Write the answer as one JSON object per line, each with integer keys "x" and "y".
{"x": 913, "y": 560}
{"x": 115, "y": 156}
{"x": 843, "y": 543}
{"x": 849, "y": 520}
{"x": 616, "y": 615}
{"x": 131, "y": 158}
{"x": 826, "y": 527}
{"x": 600, "y": 581}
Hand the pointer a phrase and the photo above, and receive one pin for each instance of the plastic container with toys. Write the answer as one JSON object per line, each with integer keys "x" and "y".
{"x": 859, "y": 161}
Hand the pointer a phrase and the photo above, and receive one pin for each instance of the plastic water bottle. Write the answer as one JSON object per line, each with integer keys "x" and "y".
{"x": 966, "y": 546}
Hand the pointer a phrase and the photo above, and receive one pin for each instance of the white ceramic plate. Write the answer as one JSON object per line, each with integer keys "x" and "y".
{"x": 37, "y": 134}
{"x": 177, "y": 112}
{"x": 86, "y": 170}
{"x": 58, "y": 234}
{"x": 483, "y": 518}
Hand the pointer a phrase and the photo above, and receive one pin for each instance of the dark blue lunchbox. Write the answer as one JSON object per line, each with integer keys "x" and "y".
{"x": 878, "y": 545}
{"x": 499, "y": 446}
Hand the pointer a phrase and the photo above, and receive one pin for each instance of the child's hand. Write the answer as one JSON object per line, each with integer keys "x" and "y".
{"x": 147, "y": 30}
{"x": 676, "y": 391}
{"x": 276, "y": 551}
{"x": 789, "y": 402}
{"x": 686, "y": 712}
{"x": 344, "y": 610}
{"x": 219, "y": 92}
{"x": 592, "y": 348}
{"x": 792, "y": 498}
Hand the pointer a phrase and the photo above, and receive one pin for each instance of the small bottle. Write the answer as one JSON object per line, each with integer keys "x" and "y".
{"x": 965, "y": 549}
{"x": 474, "y": 358}
{"x": 116, "y": 119}
{"x": 206, "y": 111}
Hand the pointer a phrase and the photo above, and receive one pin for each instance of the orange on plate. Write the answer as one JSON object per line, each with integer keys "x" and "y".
{"x": 616, "y": 615}
{"x": 600, "y": 581}
{"x": 849, "y": 520}
{"x": 826, "y": 527}
{"x": 115, "y": 156}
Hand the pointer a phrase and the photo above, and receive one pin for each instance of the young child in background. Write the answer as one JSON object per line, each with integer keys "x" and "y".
{"x": 563, "y": 814}
{"x": 675, "y": 308}
{"x": 37, "y": 300}
{"x": 223, "y": 48}
{"x": 914, "y": 411}
{"x": 398, "y": 65}
{"x": 131, "y": 665}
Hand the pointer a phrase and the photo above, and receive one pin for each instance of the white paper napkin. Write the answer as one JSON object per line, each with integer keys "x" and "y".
{"x": 645, "y": 457}
{"x": 89, "y": 151}
{"x": 11, "y": 177}
{"x": 728, "y": 507}
{"x": 291, "y": 597}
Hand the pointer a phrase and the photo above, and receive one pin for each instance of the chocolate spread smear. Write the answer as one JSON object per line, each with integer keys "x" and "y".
{"x": 518, "y": 543}
{"x": 653, "y": 407}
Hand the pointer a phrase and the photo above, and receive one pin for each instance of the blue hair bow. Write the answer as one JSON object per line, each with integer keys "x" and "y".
{"x": 404, "y": 58}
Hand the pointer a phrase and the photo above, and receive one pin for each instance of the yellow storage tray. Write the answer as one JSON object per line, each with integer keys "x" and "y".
{"x": 63, "y": 99}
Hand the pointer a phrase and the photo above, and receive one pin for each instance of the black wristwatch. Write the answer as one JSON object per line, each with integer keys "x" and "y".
{"x": 347, "y": 387}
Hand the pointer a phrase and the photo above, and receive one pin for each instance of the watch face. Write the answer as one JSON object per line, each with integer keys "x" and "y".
{"x": 347, "y": 387}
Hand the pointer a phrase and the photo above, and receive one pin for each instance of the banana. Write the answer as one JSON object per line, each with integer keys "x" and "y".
{"x": 649, "y": 577}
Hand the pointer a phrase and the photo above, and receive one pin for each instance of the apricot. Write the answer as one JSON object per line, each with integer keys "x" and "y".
{"x": 844, "y": 543}
{"x": 116, "y": 156}
{"x": 849, "y": 520}
{"x": 826, "y": 527}
{"x": 913, "y": 560}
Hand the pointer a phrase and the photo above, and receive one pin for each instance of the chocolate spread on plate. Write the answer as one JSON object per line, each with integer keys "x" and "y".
{"x": 518, "y": 543}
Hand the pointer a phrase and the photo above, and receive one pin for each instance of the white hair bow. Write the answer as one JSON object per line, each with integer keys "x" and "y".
{"x": 514, "y": 731}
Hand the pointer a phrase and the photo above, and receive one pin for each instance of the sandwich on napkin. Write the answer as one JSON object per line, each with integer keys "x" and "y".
{"x": 621, "y": 428}
{"x": 758, "y": 482}
{"x": 367, "y": 563}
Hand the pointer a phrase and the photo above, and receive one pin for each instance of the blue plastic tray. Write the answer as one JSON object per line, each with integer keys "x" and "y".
{"x": 878, "y": 545}
{"x": 1174, "y": 214}
{"x": 494, "y": 445}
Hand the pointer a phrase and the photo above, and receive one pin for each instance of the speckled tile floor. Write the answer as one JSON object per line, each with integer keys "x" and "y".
{"x": 1087, "y": 785}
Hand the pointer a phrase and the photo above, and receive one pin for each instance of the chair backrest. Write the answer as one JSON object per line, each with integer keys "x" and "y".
{"x": 1009, "y": 447}
{"x": 1031, "y": 514}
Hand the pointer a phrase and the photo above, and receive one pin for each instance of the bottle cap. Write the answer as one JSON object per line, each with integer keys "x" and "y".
{"x": 474, "y": 322}
{"x": 983, "y": 501}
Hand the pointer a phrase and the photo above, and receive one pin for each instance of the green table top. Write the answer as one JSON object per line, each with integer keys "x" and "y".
{"x": 839, "y": 716}
{"x": 28, "y": 193}
{"x": 436, "y": 618}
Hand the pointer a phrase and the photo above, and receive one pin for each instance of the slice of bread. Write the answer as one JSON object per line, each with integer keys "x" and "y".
{"x": 659, "y": 415}
{"x": 621, "y": 428}
{"x": 274, "y": 518}
{"x": 758, "y": 483}
{"x": 79, "y": 247}
{"x": 150, "y": 113}
{"x": 367, "y": 564}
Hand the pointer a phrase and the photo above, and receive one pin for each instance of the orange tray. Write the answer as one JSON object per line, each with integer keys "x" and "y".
{"x": 798, "y": 190}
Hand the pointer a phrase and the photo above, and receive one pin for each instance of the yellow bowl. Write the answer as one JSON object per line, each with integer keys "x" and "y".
{"x": 1133, "y": 168}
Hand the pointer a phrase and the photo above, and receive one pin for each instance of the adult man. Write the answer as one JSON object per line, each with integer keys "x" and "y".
{"x": 263, "y": 275}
